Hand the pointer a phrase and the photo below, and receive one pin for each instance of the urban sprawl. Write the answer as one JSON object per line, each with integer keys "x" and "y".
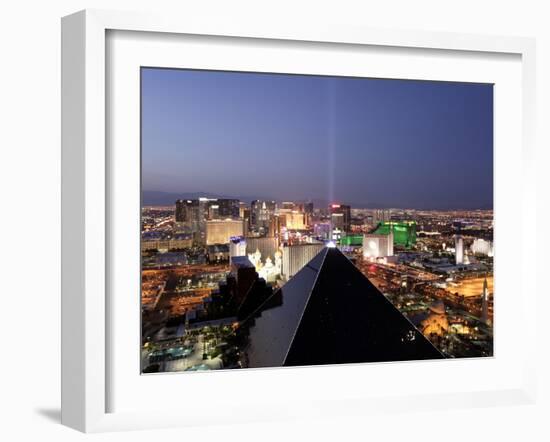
{"x": 229, "y": 284}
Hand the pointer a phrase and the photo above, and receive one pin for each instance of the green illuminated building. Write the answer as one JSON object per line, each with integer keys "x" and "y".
{"x": 352, "y": 240}
{"x": 404, "y": 232}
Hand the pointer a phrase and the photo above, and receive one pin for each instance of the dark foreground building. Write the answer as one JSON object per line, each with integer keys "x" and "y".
{"x": 330, "y": 313}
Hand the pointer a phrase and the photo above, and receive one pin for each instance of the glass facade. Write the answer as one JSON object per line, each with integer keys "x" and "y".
{"x": 330, "y": 313}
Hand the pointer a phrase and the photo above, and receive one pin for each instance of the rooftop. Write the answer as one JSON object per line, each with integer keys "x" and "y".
{"x": 241, "y": 262}
{"x": 330, "y": 313}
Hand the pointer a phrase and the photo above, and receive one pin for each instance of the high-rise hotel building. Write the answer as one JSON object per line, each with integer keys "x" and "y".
{"x": 297, "y": 256}
{"x": 459, "y": 250}
{"x": 221, "y": 231}
{"x": 260, "y": 214}
{"x": 202, "y": 209}
{"x": 192, "y": 215}
{"x": 295, "y": 220}
{"x": 340, "y": 217}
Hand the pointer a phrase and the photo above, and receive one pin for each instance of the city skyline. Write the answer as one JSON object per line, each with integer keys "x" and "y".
{"x": 397, "y": 143}
{"x": 159, "y": 198}
{"x": 293, "y": 220}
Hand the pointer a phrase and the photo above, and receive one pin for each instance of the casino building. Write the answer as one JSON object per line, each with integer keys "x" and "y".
{"x": 330, "y": 313}
{"x": 404, "y": 232}
{"x": 377, "y": 246}
{"x": 221, "y": 231}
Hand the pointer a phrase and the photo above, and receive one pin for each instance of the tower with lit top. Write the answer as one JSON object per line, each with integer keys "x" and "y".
{"x": 459, "y": 250}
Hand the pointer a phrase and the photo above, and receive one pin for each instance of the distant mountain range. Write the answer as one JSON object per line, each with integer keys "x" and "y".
{"x": 159, "y": 198}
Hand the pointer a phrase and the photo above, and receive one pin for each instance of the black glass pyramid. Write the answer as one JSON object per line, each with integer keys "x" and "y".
{"x": 330, "y": 313}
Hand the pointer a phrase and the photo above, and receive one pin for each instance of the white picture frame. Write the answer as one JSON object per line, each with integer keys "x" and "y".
{"x": 85, "y": 233}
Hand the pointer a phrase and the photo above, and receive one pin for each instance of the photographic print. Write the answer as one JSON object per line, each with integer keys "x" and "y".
{"x": 301, "y": 220}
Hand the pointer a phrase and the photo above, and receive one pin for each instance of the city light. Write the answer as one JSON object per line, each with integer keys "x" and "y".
{"x": 202, "y": 255}
{"x": 263, "y": 268}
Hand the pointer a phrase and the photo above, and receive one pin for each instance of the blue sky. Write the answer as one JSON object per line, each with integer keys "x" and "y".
{"x": 397, "y": 143}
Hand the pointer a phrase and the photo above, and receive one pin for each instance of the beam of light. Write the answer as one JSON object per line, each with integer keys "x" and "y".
{"x": 331, "y": 137}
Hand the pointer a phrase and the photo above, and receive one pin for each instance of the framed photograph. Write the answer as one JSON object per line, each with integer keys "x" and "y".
{"x": 291, "y": 222}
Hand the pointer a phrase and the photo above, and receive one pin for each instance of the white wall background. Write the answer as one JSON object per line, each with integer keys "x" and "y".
{"x": 30, "y": 213}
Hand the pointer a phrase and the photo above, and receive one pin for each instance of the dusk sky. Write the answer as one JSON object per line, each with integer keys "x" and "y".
{"x": 393, "y": 143}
